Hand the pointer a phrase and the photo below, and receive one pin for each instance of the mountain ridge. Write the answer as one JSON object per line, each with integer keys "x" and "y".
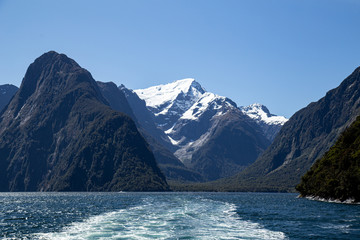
{"x": 125, "y": 100}
{"x": 307, "y": 135}
{"x": 169, "y": 101}
{"x": 158, "y": 102}
{"x": 59, "y": 133}
{"x": 268, "y": 122}
{"x": 189, "y": 116}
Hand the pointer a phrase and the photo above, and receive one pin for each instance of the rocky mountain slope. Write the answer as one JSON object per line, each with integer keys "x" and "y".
{"x": 307, "y": 135}
{"x": 168, "y": 102}
{"x": 126, "y": 101}
{"x": 336, "y": 176}
{"x": 269, "y": 123}
{"x": 59, "y": 134}
{"x": 145, "y": 118}
{"x": 194, "y": 119}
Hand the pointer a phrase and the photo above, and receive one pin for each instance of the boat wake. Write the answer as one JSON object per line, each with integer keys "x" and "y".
{"x": 170, "y": 218}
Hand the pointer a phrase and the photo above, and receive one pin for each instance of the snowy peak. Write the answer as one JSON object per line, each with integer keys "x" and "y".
{"x": 159, "y": 96}
{"x": 209, "y": 133}
{"x": 257, "y": 107}
{"x": 208, "y": 101}
{"x": 176, "y": 104}
{"x": 169, "y": 101}
{"x": 260, "y": 113}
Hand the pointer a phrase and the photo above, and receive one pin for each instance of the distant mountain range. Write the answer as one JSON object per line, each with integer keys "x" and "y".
{"x": 58, "y": 133}
{"x": 209, "y": 133}
{"x": 195, "y": 135}
{"x": 62, "y": 131}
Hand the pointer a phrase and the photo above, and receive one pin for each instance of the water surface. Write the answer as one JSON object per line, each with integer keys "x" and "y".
{"x": 174, "y": 216}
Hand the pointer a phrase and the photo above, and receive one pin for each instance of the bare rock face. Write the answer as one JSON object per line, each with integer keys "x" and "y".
{"x": 59, "y": 133}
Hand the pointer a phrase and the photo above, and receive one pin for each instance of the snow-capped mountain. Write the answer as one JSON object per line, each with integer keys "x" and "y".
{"x": 193, "y": 119}
{"x": 126, "y": 101}
{"x": 208, "y": 101}
{"x": 270, "y": 123}
{"x": 260, "y": 113}
{"x": 186, "y": 99}
{"x": 196, "y": 126}
{"x": 168, "y": 102}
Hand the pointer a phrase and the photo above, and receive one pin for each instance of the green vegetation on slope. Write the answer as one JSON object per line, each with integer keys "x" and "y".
{"x": 337, "y": 174}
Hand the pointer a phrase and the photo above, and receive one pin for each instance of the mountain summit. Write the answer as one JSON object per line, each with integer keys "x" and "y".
{"x": 268, "y": 122}
{"x": 169, "y": 101}
{"x": 210, "y": 134}
{"x": 58, "y": 133}
{"x": 125, "y": 100}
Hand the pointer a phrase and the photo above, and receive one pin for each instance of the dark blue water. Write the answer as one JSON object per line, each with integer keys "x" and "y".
{"x": 174, "y": 216}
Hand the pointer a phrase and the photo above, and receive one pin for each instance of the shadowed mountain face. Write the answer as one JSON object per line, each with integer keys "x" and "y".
{"x": 307, "y": 135}
{"x": 125, "y": 100}
{"x": 234, "y": 142}
{"x": 7, "y": 91}
{"x": 59, "y": 134}
{"x": 208, "y": 133}
{"x": 145, "y": 118}
{"x": 116, "y": 98}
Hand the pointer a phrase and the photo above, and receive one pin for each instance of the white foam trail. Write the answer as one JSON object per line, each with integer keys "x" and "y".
{"x": 176, "y": 218}
{"x": 347, "y": 201}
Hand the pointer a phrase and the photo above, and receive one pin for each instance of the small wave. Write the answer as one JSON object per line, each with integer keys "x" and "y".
{"x": 172, "y": 218}
{"x": 347, "y": 201}
{"x": 343, "y": 228}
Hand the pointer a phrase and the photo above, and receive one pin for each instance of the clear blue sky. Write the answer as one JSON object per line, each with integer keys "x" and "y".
{"x": 281, "y": 53}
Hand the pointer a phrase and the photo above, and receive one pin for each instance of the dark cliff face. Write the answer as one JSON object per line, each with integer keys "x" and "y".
{"x": 59, "y": 134}
{"x": 116, "y": 98}
{"x": 145, "y": 118}
{"x": 307, "y": 135}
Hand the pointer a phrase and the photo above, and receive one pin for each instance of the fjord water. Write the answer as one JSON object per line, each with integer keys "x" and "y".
{"x": 174, "y": 216}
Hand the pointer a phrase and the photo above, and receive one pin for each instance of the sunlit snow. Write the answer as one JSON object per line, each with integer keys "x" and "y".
{"x": 183, "y": 101}
{"x": 162, "y": 94}
{"x": 207, "y": 100}
{"x": 258, "y": 112}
